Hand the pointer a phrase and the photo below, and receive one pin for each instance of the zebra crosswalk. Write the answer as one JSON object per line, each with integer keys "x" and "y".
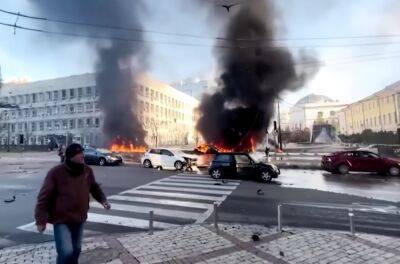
{"x": 175, "y": 200}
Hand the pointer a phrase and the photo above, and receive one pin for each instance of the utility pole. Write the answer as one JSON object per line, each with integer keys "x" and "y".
{"x": 279, "y": 126}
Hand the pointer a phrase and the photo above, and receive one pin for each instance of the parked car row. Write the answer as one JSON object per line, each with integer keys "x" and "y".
{"x": 223, "y": 165}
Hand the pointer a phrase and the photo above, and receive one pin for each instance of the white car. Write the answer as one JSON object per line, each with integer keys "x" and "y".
{"x": 164, "y": 159}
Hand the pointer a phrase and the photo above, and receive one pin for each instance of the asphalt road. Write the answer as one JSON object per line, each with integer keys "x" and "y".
{"x": 184, "y": 198}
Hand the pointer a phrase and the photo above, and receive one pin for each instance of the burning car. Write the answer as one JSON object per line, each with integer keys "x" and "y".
{"x": 241, "y": 164}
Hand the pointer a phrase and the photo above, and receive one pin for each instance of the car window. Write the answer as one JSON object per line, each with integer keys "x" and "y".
{"x": 166, "y": 152}
{"x": 370, "y": 155}
{"x": 89, "y": 151}
{"x": 353, "y": 154}
{"x": 243, "y": 159}
{"x": 223, "y": 158}
{"x": 154, "y": 151}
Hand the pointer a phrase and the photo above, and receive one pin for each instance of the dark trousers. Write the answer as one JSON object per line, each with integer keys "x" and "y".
{"x": 68, "y": 238}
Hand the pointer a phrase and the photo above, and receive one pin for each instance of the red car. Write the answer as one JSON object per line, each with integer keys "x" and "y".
{"x": 365, "y": 161}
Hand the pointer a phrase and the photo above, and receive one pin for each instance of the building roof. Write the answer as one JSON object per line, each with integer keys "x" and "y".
{"x": 313, "y": 98}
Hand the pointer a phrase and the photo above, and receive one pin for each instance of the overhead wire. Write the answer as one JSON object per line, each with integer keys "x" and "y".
{"x": 114, "y": 27}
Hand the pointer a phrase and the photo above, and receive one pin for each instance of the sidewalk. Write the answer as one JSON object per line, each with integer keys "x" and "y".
{"x": 232, "y": 244}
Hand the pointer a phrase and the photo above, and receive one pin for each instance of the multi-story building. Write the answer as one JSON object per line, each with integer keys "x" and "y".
{"x": 313, "y": 108}
{"x": 377, "y": 112}
{"x": 194, "y": 87}
{"x": 68, "y": 108}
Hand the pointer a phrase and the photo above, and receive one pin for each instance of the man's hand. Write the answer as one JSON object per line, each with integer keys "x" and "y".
{"x": 106, "y": 205}
{"x": 41, "y": 228}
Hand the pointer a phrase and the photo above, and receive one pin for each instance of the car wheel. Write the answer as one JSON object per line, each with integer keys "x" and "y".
{"x": 343, "y": 169}
{"x": 147, "y": 164}
{"x": 178, "y": 165}
{"x": 394, "y": 171}
{"x": 102, "y": 162}
{"x": 216, "y": 174}
{"x": 266, "y": 176}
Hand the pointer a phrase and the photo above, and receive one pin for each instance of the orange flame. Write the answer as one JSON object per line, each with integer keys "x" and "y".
{"x": 123, "y": 147}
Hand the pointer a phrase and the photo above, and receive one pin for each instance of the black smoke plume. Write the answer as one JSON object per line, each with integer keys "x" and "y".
{"x": 118, "y": 63}
{"x": 254, "y": 71}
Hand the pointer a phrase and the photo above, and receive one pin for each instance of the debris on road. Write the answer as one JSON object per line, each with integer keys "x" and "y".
{"x": 260, "y": 192}
{"x": 10, "y": 200}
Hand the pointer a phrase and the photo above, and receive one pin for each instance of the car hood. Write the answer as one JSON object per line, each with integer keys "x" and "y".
{"x": 391, "y": 161}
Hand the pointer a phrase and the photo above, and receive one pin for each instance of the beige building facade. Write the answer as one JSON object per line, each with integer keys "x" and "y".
{"x": 377, "y": 112}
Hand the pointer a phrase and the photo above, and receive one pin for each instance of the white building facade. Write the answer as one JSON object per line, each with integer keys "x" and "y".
{"x": 68, "y": 108}
{"x": 311, "y": 108}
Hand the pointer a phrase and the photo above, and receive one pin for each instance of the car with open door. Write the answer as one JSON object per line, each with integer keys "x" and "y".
{"x": 101, "y": 157}
{"x": 163, "y": 159}
{"x": 241, "y": 165}
{"x": 361, "y": 161}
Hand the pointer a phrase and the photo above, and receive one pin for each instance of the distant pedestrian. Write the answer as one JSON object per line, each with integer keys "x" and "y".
{"x": 267, "y": 151}
{"x": 61, "y": 153}
{"x": 64, "y": 202}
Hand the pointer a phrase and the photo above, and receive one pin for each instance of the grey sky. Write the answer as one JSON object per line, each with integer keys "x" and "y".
{"x": 349, "y": 73}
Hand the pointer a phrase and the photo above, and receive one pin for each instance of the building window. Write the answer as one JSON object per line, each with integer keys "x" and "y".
{"x": 80, "y": 108}
{"x": 380, "y": 120}
{"x": 97, "y": 122}
{"x": 80, "y": 92}
{"x": 89, "y": 107}
{"x": 55, "y": 95}
{"x": 49, "y": 125}
{"x": 57, "y": 125}
{"x": 80, "y": 123}
{"x": 71, "y": 109}
{"x": 72, "y": 93}
{"x": 96, "y": 106}
{"x": 41, "y": 97}
{"x": 147, "y": 92}
{"x": 88, "y": 122}
{"x": 48, "y": 111}
{"x": 390, "y": 118}
{"x": 96, "y": 91}
{"x": 384, "y": 119}
{"x": 41, "y": 126}
{"x": 20, "y": 127}
{"x": 64, "y": 124}
{"x": 72, "y": 124}
{"x": 88, "y": 91}
{"x": 34, "y": 98}
{"x": 375, "y": 121}
{"x": 34, "y": 113}
{"x": 48, "y": 96}
{"x": 33, "y": 126}
{"x": 63, "y": 94}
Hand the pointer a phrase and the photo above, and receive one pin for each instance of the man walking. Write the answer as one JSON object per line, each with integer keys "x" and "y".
{"x": 64, "y": 202}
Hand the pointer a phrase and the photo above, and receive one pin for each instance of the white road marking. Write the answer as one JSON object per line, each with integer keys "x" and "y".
{"x": 153, "y": 187}
{"x": 147, "y": 209}
{"x": 218, "y": 187}
{"x": 175, "y": 194}
{"x": 206, "y": 183}
{"x": 160, "y": 201}
{"x": 185, "y": 186}
{"x": 125, "y": 221}
{"x": 201, "y": 179}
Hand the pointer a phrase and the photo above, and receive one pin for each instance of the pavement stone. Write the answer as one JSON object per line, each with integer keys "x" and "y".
{"x": 232, "y": 244}
{"x": 245, "y": 232}
{"x": 325, "y": 247}
{"x": 178, "y": 243}
{"x": 239, "y": 257}
{"x": 390, "y": 242}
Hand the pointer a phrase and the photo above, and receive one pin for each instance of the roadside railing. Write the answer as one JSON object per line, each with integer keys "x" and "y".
{"x": 350, "y": 208}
